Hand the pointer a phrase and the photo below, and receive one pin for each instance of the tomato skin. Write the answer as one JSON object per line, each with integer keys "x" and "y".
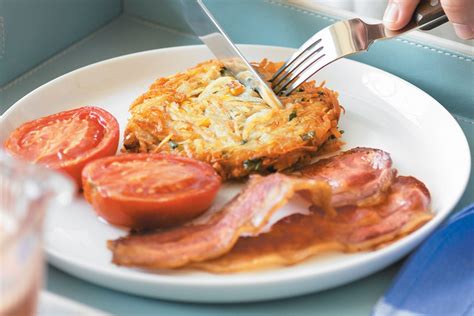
{"x": 124, "y": 208}
{"x": 90, "y": 149}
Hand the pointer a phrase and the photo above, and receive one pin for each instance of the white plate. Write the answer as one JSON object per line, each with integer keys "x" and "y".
{"x": 382, "y": 111}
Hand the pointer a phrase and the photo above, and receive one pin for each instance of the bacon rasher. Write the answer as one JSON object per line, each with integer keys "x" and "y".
{"x": 298, "y": 237}
{"x": 360, "y": 176}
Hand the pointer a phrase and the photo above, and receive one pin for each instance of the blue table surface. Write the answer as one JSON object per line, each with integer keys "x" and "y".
{"x": 130, "y": 33}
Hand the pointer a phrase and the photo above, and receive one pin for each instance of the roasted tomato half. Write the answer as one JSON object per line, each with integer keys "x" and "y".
{"x": 66, "y": 141}
{"x": 145, "y": 191}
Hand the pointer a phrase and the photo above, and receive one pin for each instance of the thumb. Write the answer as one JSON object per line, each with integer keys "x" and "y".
{"x": 399, "y": 13}
{"x": 461, "y": 14}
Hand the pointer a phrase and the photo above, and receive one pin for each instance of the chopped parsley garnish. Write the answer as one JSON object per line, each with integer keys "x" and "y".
{"x": 223, "y": 71}
{"x": 173, "y": 145}
{"x": 253, "y": 164}
{"x": 291, "y": 116}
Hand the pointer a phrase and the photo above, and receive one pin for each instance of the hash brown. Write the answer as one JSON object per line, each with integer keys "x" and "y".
{"x": 206, "y": 114}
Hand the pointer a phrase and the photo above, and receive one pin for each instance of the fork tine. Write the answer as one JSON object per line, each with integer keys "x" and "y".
{"x": 338, "y": 40}
{"x": 299, "y": 65}
{"x": 293, "y": 64}
{"x": 307, "y": 73}
{"x": 313, "y": 40}
{"x": 298, "y": 72}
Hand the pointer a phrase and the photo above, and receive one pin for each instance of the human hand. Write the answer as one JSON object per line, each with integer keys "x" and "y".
{"x": 459, "y": 12}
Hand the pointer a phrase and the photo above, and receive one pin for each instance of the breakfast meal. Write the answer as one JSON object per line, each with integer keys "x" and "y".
{"x": 206, "y": 114}
{"x": 194, "y": 130}
{"x": 66, "y": 141}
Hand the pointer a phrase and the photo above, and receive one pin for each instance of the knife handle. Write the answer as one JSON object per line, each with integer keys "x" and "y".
{"x": 429, "y": 14}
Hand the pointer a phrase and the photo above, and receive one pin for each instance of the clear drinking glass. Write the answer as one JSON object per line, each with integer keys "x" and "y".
{"x": 26, "y": 191}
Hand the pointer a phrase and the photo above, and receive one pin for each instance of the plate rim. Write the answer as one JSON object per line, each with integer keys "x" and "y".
{"x": 295, "y": 276}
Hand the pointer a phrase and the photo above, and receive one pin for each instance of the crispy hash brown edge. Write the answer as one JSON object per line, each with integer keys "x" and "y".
{"x": 295, "y": 133}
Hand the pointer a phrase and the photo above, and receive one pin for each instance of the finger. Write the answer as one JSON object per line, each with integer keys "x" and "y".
{"x": 461, "y": 14}
{"x": 399, "y": 13}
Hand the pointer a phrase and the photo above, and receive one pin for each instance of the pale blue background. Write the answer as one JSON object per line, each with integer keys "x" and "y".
{"x": 34, "y": 30}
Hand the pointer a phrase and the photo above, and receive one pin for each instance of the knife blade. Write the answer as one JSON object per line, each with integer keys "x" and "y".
{"x": 205, "y": 26}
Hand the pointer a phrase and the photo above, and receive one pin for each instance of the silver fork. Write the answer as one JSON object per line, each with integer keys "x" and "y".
{"x": 346, "y": 38}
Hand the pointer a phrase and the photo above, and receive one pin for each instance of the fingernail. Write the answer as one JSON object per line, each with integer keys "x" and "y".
{"x": 463, "y": 31}
{"x": 391, "y": 13}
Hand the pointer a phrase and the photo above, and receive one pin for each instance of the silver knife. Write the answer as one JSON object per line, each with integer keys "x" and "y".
{"x": 203, "y": 23}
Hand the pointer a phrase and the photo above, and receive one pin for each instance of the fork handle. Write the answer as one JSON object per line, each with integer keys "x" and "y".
{"x": 429, "y": 14}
